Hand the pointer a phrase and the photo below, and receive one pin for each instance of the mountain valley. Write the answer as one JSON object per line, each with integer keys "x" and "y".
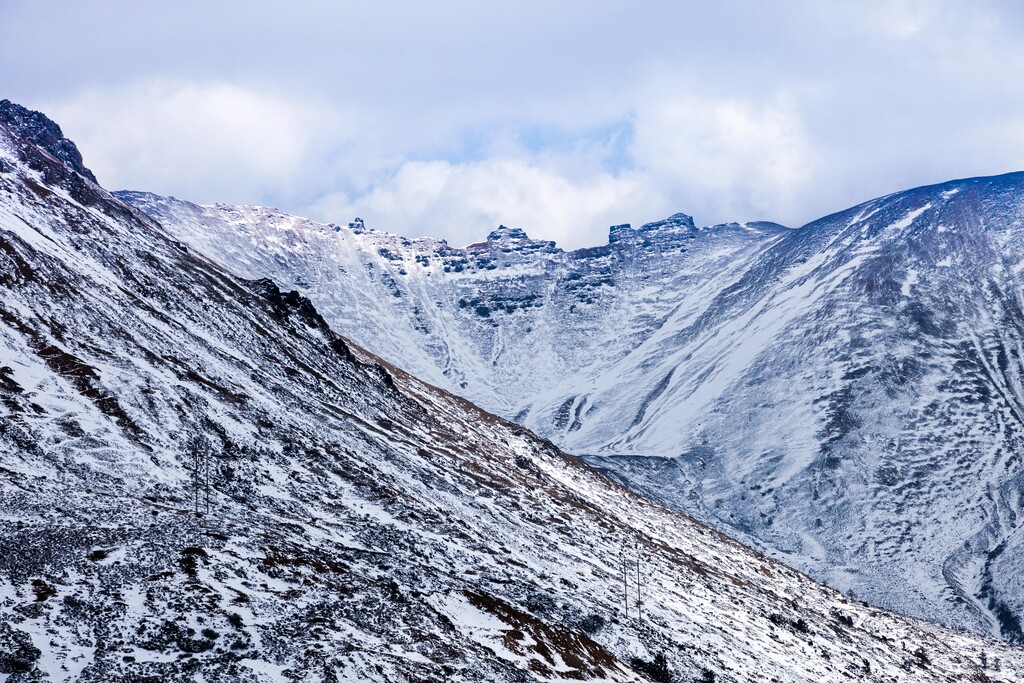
{"x": 846, "y": 396}
{"x": 201, "y": 480}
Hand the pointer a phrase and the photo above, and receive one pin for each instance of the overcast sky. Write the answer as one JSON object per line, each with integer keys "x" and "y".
{"x": 448, "y": 118}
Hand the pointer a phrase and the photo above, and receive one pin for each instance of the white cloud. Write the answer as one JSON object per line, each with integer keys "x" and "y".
{"x": 906, "y": 18}
{"x": 219, "y": 142}
{"x": 720, "y": 160}
{"x": 449, "y": 119}
{"x": 206, "y": 142}
{"x": 463, "y": 202}
{"x": 726, "y": 159}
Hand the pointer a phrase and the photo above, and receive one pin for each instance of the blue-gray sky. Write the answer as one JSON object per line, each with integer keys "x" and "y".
{"x": 562, "y": 117}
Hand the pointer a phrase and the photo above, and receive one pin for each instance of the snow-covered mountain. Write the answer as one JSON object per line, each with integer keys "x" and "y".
{"x": 200, "y": 480}
{"x": 847, "y": 394}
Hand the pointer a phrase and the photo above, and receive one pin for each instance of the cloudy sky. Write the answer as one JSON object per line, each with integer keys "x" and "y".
{"x": 562, "y": 117}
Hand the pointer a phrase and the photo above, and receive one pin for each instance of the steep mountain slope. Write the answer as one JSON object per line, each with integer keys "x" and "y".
{"x": 848, "y": 394}
{"x": 474, "y": 319}
{"x": 201, "y": 481}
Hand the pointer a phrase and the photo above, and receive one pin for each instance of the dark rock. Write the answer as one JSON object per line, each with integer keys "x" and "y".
{"x": 35, "y": 127}
{"x": 503, "y": 233}
{"x": 17, "y": 654}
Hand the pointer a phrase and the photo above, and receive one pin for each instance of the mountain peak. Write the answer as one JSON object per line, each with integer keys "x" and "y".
{"x": 505, "y": 233}
{"x": 37, "y": 128}
{"x": 677, "y": 222}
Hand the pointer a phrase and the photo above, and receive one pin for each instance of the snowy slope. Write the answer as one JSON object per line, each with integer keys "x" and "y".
{"x": 473, "y": 319}
{"x": 201, "y": 481}
{"x": 847, "y": 395}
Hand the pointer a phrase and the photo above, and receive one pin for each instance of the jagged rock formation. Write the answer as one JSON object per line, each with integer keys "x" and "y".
{"x": 849, "y": 395}
{"x": 201, "y": 479}
{"x": 43, "y": 135}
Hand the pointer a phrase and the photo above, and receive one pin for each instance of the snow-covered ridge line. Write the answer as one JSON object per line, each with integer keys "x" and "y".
{"x": 676, "y": 223}
{"x": 826, "y": 391}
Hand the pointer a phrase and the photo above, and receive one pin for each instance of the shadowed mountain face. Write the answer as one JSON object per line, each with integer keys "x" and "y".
{"x": 201, "y": 480}
{"x": 847, "y": 395}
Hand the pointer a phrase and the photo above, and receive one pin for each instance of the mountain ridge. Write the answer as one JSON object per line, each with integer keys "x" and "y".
{"x": 201, "y": 479}
{"x": 855, "y": 371}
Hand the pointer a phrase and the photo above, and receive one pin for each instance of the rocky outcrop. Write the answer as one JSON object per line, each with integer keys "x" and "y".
{"x": 36, "y": 128}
